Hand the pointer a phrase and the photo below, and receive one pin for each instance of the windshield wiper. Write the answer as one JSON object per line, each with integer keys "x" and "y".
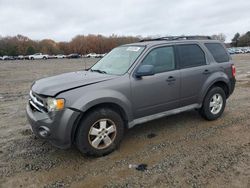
{"x": 97, "y": 70}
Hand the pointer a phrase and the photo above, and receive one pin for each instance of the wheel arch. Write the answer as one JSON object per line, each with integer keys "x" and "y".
{"x": 111, "y": 105}
{"x": 223, "y": 85}
{"x": 219, "y": 83}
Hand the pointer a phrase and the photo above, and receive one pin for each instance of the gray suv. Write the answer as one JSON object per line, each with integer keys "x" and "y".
{"x": 132, "y": 84}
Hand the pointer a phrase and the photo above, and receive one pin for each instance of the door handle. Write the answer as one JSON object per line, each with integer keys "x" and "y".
{"x": 206, "y": 71}
{"x": 171, "y": 79}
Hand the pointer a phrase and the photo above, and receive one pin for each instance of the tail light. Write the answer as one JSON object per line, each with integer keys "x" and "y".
{"x": 233, "y": 71}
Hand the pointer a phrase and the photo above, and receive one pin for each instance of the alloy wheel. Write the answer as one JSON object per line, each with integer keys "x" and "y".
{"x": 102, "y": 133}
{"x": 216, "y": 103}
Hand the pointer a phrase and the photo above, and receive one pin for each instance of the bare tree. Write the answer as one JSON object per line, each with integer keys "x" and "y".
{"x": 221, "y": 37}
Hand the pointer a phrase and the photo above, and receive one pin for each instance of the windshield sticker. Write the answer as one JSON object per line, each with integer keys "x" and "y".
{"x": 133, "y": 48}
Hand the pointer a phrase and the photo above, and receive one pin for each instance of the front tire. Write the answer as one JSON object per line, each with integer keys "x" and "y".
{"x": 100, "y": 132}
{"x": 213, "y": 104}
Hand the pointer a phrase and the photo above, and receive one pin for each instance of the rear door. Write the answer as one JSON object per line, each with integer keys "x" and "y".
{"x": 194, "y": 72}
{"x": 159, "y": 92}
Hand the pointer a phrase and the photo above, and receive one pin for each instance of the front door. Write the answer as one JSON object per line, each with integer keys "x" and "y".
{"x": 159, "y": 92}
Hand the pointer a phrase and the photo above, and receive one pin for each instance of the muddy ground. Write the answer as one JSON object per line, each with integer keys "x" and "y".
{"x": 181, "y": 151}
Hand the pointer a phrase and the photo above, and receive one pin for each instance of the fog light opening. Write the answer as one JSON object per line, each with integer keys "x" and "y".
{"x": 44, "y": 132}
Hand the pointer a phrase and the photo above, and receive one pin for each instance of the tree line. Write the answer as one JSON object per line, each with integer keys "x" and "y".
{"x": 241, "y": 40}
{"x": 81, "y": 44}
{"x": 84, "y": 44}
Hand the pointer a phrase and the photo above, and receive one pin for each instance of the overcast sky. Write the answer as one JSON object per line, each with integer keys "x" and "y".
{"x": 63, "y": 19}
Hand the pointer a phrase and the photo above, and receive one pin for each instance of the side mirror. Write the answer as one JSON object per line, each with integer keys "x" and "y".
{"x": 145, "y": 70}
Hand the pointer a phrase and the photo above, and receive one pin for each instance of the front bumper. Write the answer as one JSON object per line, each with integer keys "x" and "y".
{"x": 55, "y": 127}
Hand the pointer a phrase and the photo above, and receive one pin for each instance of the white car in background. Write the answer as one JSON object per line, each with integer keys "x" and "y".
{"x": 239, "y": 51}
{"x": 102, "y": 55}
{"x": 5, "y": 57}
{"x": 60, "y": 56}
{"x": 20, "y": 57}
{"x": 92, "y": 55}
{"x": 1, "y": 58}
{"x": 38, "y": 56}
{"x": 246, "y": 50}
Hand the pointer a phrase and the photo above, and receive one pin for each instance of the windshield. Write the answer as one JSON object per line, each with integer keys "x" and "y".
{"x": 118, "y": 61}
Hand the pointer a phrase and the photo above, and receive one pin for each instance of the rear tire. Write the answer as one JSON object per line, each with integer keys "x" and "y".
{"x": 213, "y": 104}
{"x": 100, "y": 132}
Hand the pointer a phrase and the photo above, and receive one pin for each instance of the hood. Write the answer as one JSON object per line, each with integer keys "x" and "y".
{"x": 54, "y": 85}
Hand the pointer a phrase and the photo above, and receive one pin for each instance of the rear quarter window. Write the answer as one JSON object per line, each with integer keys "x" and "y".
{"x": 218, "y": 52}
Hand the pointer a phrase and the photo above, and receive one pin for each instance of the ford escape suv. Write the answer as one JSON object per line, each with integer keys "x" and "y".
{"x": 132, "y": 84}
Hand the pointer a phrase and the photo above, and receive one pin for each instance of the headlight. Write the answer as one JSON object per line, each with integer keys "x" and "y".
{"x": 55, "y": 104}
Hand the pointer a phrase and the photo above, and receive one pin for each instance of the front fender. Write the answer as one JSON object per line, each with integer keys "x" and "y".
{"x": 211, "y": 80}
{"x": 94, "y": 98}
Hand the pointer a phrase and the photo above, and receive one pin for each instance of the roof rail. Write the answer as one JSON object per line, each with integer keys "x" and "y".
{"x": 169, "y": 38}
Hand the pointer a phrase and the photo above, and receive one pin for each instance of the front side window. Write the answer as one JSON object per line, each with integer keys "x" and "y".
{"x": 118, "y": 61}
{"x": 161, "y": 58}
{"x": 190, "y": 55}
{"x": 218, "y": 51}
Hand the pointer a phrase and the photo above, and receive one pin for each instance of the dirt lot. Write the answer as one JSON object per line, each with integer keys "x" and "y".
{"x": 186, "y": 151}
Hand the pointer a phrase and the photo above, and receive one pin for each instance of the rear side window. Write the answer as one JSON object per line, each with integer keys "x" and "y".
{"x": 218, "y": 51}
{"x": 190, "y": 55}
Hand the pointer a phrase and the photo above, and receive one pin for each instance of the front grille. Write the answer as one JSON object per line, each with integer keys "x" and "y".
{"x": 37, "y": 103}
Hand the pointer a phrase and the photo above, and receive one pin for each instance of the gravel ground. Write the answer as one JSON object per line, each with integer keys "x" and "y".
{"x": 181, "y": 151}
